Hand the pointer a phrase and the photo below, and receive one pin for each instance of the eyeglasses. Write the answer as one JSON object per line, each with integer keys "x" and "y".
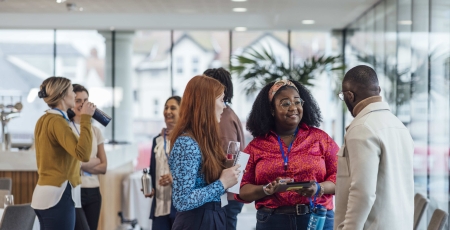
{"x": 286, "y": 104}
{"x": 341, "y": 95}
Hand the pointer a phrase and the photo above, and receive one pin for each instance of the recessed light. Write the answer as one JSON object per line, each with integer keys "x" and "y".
{"x": 240, "y": 29}
{"x": 60, "y": 1}
{"x": 405, "y": 22}
{"x": 81, "y": 9}
{"x": 308, "y": 22}
{"x": 240, "y": 9}
{"x": 238, "y": 0}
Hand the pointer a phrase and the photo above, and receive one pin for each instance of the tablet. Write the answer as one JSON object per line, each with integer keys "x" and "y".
{"x": 296, "y": 185}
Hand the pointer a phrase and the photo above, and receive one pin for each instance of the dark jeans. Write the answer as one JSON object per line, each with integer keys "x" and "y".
{"x": 232, "y": 210}
{"x": 91, "y": 202}
{"x": 269, "y": 221}
{"x": 209, "y": 216}
{"x": 61, "y": 216}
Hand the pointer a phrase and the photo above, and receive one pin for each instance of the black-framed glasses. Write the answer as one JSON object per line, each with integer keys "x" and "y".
{"x": 286, "y": 104}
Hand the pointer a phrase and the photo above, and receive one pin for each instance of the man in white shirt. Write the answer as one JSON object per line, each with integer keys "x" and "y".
{"x": 374, "y": 187}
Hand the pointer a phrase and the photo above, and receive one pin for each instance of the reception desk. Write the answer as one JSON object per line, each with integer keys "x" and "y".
{"x": 21, "y": 167}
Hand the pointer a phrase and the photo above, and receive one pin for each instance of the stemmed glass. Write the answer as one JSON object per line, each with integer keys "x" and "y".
{"x": 233, "y": 150}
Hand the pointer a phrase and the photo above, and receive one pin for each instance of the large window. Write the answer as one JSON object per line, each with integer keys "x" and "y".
{"x": 412, "y": 59}
{"x": 26, "y": 59}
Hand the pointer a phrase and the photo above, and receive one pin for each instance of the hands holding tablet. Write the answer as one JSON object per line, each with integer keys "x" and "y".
{"x": 304, "y": 188}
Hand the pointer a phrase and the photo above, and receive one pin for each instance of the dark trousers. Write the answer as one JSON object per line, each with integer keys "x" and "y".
{"x": 91, "y": 202}
{"x": 163, "y": 222}
{"x": 270, "y": 221}
{"x": 232, "y": 210}
{"x": 209, "y": 216}
{"x": 61, "y": 216}
{"x": 80, "y": 220}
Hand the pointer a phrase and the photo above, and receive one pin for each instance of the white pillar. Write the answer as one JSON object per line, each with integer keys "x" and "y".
{"x": 123, "y": 115}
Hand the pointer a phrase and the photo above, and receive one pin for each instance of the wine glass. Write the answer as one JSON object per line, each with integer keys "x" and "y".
{"x": 233, "y": 150}
{"x": 9, "y": 200}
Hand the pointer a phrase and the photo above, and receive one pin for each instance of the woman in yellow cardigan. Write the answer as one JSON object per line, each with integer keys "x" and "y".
{"x": 58, "y": 155}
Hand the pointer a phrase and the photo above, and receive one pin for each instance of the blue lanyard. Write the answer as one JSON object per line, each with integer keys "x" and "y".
{"x": 62, "y": 113}
{"x": 76, "y": 128}
{"x": 311, "y": 203}
{"x": 285, "y": 156}
{"x": 167, "y": 155}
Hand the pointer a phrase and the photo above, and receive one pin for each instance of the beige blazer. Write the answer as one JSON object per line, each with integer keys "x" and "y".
{"x": 375, "y": 187}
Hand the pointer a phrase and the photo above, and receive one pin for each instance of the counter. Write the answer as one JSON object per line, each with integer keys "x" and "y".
{"x": 21, "y": 167}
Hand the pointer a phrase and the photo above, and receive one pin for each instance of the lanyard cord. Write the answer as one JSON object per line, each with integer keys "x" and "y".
{"x": 283, "y": 155}
{"x": 76, "y": 128}
{"x": 67, "y": 119}
{"x": 311, "y": 203}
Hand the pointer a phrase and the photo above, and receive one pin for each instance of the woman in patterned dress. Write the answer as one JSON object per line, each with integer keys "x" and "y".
{"x": 287, "y": 145}
{"x": 197, "y": 160}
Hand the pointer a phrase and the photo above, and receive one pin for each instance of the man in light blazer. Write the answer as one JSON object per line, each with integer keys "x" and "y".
{"x": 374, "y": 186}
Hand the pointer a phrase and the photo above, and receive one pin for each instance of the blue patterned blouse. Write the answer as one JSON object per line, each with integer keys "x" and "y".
{"x": 190, "y": 189}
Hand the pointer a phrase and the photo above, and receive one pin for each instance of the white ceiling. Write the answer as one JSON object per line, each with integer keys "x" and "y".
{"x": 181, "y": 14}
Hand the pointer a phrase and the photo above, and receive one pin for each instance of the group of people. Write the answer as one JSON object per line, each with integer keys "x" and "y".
{"x": 70, "y": 154}
{"x": 371, "y": 174}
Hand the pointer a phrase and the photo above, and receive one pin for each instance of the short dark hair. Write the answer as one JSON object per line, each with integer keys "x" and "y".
{"x": 361, "y": 75}
{"x": 79, "y": 88}
{"x": 260, "y": 121}
{"x": 224, "y": 77}
{"x": 176, "y": 98}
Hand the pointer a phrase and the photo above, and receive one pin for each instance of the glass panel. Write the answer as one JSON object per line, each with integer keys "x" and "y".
{"x": 439, "y": 50}
{"x": 389, "y": 86}
{"x": 403, "y": 80}
{"x": 196, "y": 51}
{"x": 151, "y": 65}
{"x": 26, "y": 61}
{"x": 242, "y": 42}
{"x": 305, "y": 45}
{"x": 419, "y": 97}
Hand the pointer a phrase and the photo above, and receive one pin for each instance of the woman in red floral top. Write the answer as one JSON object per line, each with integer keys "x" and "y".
{"x": 287, "y": 145}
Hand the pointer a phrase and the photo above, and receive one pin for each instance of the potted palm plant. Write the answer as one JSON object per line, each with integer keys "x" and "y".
{"x": 258, "y": 68}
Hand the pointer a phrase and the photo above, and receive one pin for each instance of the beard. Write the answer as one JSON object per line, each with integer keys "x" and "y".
{"x": 349, "y": 107}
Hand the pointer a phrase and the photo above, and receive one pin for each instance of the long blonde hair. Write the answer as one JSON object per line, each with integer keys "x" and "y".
{"x": 54, "y": 89}
{"x": 198, "y": 119}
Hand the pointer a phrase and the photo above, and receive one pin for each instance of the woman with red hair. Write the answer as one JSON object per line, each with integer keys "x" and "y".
{"x": 197, "y": 160}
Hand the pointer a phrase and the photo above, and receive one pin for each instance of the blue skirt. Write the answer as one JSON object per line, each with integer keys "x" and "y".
{"x": 209, "y": 216}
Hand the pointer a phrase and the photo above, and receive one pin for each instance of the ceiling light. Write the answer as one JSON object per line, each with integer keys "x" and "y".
{"x": 240, "y": 29}
{"x": 60, "y": 1}
{"x": 308, "y": 22}
{"x": 405, "y": 22}
{"x": 238, "y": 0}
{"x": 240, "y": 10}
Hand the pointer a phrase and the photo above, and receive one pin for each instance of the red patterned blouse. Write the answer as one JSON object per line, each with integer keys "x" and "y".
{"x": 312, "y": 157}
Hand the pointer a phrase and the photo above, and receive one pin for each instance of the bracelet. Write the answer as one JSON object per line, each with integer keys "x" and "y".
{"x": 264, "y": 190}
{"x": 322, "y": 190}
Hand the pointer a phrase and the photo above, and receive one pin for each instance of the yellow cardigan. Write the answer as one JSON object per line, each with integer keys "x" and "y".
{"x": 58, "y": 150}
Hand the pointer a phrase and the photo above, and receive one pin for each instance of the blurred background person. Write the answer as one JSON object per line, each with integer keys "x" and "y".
{"x": 230, "y": 130}
{"x": 197, "y": 160}
{"x": 58, "y": 155}
{"x": 288, "y": 145}
{"x": 163, "y": 212}
{"x": 91, "y": 198}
